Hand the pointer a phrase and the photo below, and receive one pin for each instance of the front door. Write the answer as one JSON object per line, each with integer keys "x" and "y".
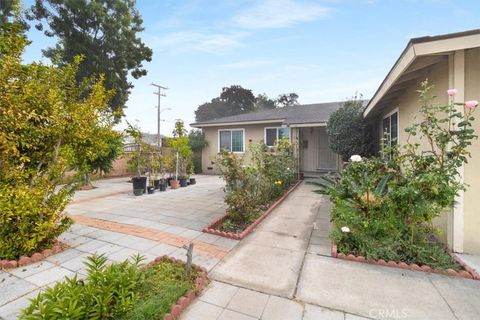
{"x": 327, "y": 159}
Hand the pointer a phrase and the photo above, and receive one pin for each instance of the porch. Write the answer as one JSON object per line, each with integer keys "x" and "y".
{"x": 313, "y": 152}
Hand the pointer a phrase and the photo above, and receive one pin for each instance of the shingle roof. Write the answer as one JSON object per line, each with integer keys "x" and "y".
{"x": 300, "y": 114}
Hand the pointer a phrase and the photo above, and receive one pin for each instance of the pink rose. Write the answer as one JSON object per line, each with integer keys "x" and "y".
{"x": 472, "y": 104}
{"x": 452, "y": 92}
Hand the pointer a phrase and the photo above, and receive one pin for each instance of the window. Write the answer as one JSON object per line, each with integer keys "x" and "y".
{"x": 272, "y": 135}
{"x": 231, "y": 140}
{"x": 390, "y": 128}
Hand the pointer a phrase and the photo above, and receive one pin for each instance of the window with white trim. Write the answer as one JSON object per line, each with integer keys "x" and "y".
{"x": 390, "y": 128}
{"x": 274, "y": 134}
{"x": 231, "y": 140}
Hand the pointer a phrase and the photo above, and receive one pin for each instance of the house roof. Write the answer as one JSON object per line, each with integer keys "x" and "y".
{"x": 420, "y": 53}
{"x": 294, "y": 115}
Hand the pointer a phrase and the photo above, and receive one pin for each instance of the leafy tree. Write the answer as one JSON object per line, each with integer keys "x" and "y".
{"x": 197, "y": 141}
{"x": 47, "y": 122}
{"x": 287, "y": 100}
{"x": 232, "y": 101}
{"x": 347, "y": 130}
{"x": 263, "y": 102}
{"x": 179, "y": 130}
{"x": 105, "y": 32}
{"x": 7, "y": 10}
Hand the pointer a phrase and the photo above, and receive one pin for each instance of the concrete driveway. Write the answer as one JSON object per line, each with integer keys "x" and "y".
{"x": 110, "y": 220}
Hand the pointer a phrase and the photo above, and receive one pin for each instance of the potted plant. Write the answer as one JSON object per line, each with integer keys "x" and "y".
{"x": 191, "y": 172}
{"x": 181, "y": 149}
{"x": 137, "y": 162}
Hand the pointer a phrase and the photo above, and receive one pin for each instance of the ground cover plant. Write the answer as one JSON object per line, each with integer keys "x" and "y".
{"x": 383, "y": 208}
{"x": 253, "y": 183}
{"x": 123, "y": 290}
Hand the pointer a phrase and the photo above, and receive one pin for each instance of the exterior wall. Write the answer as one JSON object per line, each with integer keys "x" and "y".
{"x": 472, "y": 174}
{"x": 253, "y": 134}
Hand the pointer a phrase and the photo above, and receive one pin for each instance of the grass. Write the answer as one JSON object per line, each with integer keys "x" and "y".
{"x": 161, "y": 286}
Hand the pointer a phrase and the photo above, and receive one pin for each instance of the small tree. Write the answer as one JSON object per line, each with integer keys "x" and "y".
{"x": 47, "y": 122}
{"x": 347, "y": 131}
{"x": 138, "y": 160}
{"x": 197, "y": 141}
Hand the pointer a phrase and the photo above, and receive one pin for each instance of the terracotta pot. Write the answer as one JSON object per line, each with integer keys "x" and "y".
{"x": 174, "y": 184}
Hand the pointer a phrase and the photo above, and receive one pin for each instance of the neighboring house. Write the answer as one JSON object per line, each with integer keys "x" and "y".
{"x": 304, "y": 125}
{"x": 448, "y": 61}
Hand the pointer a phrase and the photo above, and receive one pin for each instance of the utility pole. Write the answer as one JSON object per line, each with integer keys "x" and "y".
{"x": 159, "y": 94}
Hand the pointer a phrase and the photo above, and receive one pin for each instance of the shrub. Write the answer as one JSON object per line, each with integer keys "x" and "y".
{"x": 384, "y": 207}
{"x": 49, "y": 123}
{"x": 347, "y": 130}
{"x": 108, "y": 292}
{"x": 251, "y": 187}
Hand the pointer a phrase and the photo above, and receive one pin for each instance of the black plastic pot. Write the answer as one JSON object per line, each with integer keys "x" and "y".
{"x": 162, "y": 186}
{"x": 156, "y": 183}
{"x": 192, "y": 181}
{"x": 139, "y": 183}
{"x": 138, "y": 192}
{"x": 168, "y": 181}
{"x": 151, "y": 190}
{"x": 183, "y": 182}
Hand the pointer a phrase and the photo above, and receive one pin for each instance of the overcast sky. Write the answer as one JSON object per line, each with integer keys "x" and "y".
{"x": 322, "y": 50}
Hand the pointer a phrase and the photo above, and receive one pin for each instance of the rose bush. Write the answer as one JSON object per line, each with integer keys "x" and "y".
{"x": 388, "y": 203}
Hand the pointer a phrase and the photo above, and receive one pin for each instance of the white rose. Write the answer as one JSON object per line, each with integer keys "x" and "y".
{"x": 355, "y": 158}
{"x": 346, "y": 229}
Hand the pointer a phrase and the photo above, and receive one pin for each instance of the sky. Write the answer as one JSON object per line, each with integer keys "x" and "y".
{"x": 322, "y": 50}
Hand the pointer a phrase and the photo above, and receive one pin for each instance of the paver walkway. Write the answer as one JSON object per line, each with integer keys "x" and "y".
{"x": 284, "y": 271}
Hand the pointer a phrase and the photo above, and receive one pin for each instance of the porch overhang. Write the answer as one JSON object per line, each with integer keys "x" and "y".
{"x": 235, "y": 123}
{"x": 307, "y": 125}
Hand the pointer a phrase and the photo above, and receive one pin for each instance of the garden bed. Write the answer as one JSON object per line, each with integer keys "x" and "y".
{"x": 163, "y": 299}
{"x": 465, "y": 272}
{"x": 213, "y": 227}
{"x": 124, "y": 290}
{"x": 35, "y": 257}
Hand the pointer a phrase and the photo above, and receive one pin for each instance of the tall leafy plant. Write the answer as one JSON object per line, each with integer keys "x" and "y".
{"x": 47, "y": 122}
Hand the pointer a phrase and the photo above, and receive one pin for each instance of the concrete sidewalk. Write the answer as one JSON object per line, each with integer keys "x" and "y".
{"x": 288, "y": 259}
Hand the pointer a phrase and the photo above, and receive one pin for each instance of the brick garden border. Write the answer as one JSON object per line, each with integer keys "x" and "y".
{"x": 184, "y": 301}
{"x": 36, "y": 257}
{"x": 468, "y": 272}
{"x": 210, "y": 228}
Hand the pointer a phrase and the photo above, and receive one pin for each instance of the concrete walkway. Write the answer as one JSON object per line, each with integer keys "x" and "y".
{"x": 284, "y": 271}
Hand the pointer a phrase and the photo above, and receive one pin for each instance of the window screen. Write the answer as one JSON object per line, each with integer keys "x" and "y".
{"x": 270, "y": 136}
{"x": 394, "y": 129}
{"x": 225, "y": 140}
{"x": 237, "y": 141}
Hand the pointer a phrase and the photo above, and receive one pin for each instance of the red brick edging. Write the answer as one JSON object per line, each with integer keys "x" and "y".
{"x": 37, "y": 256}
{"x": 468, "y": 272}
{"x": 184, "y": 301}
{"x": 210, "y": 228}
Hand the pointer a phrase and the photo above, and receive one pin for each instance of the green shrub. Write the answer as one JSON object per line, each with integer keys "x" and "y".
{"x": 384, "y": 207}
{"x": 251, "y": 187}
{"x": 348, "y": 133}
{"x": 108, "y": 292}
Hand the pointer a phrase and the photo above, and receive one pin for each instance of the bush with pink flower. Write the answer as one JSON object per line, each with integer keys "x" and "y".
{"x": 388, "y": 203}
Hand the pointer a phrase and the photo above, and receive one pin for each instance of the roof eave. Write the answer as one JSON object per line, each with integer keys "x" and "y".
{"x": 423, "y": 47}
{"x": 235, "y": 123}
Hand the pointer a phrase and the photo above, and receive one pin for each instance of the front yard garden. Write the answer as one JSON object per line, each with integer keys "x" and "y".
{"x": 253, "y": 184}
{"x": 383, "y": 208}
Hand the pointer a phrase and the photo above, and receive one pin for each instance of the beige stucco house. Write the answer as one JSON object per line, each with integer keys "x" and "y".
{"x": 447, "y": 61}
{"x": 304, "y": 125}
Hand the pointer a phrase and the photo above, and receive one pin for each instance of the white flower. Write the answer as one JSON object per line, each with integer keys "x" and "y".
{"x": 346, "y": 229}
{"x": 355, "y": 158}
{"x": 288, "y": 168}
